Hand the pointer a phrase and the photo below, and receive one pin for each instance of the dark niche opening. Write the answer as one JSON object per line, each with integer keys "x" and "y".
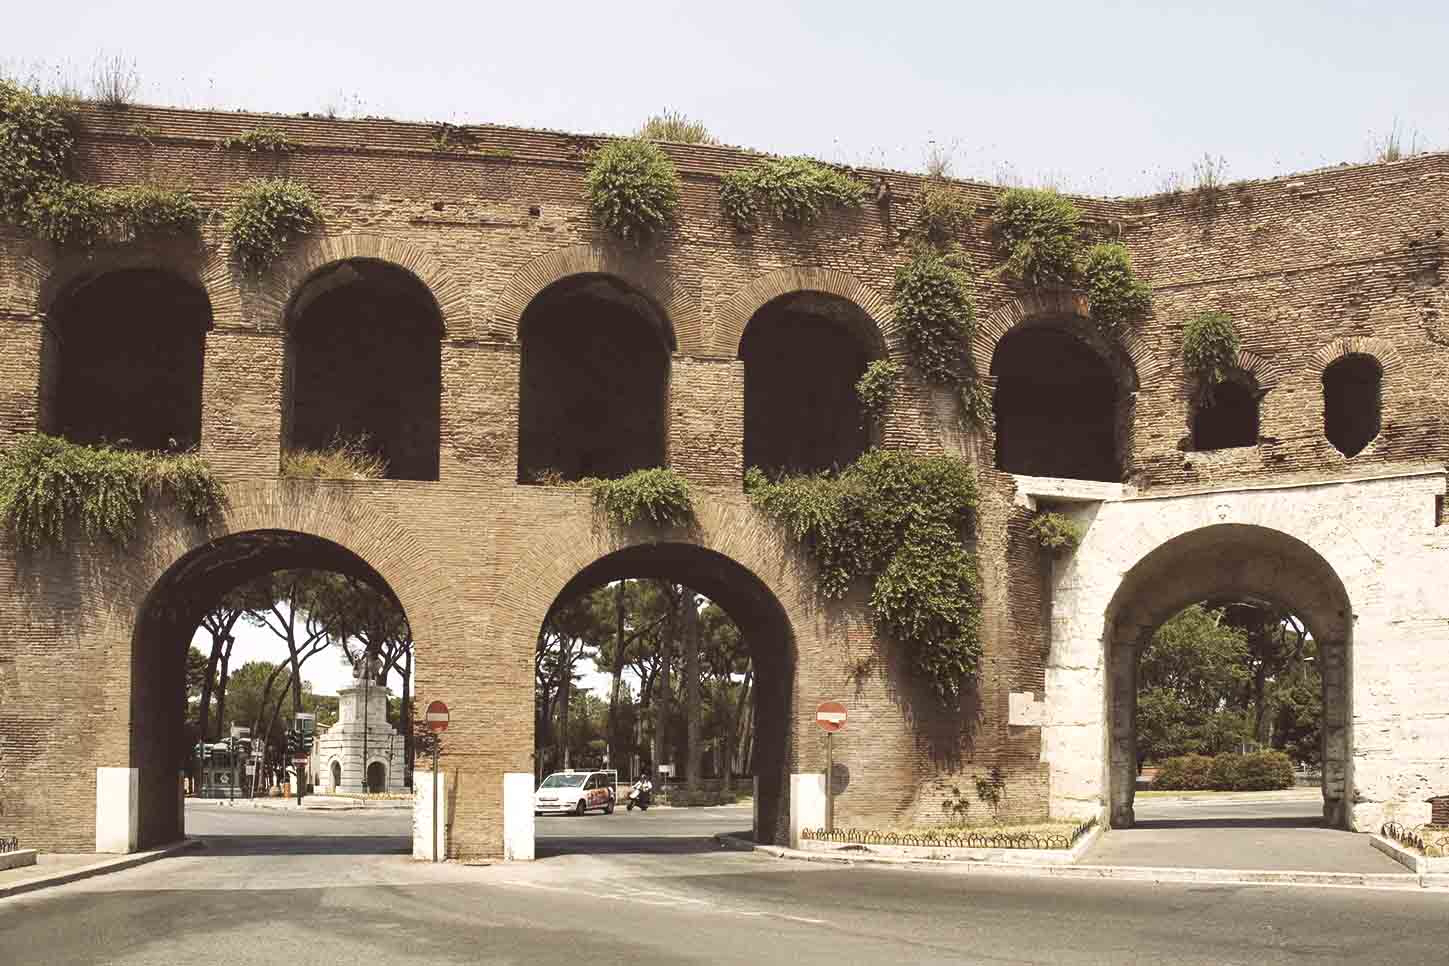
{"x": 1352, "y": 402}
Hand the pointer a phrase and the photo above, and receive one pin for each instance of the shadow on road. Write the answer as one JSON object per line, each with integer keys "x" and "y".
{"x": 304, "y": 845}
{"x": 545, "y": 848}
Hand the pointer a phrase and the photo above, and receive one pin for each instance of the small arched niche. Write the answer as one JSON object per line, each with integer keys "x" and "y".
{"x": 594, "y": 381}
{"x": 803, "y": 354}
{"x": 131, "y": 350}
{"x": 366, "y": 366}
{"x": 1352, "y": 402}
{"x": 1060, "y": 406}
{"x": 1227, "y": 415}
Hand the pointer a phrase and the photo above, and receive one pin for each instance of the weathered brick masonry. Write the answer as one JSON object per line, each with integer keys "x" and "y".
{"x": 1311, "y": 267}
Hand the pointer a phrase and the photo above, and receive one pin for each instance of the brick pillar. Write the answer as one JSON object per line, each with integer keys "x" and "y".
{"x": 241, "y": 402}
{"x": 707, "y": 420}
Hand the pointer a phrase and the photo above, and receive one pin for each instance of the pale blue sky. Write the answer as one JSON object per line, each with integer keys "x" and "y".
{"x": 1101, "y": 97}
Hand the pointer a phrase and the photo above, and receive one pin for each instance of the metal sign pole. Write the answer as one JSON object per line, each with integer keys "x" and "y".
{"x": 435, "y": 797}
{"x": 829, "y": 781}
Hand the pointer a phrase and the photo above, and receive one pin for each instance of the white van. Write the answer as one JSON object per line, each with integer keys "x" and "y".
{"x": 576, "y": 793}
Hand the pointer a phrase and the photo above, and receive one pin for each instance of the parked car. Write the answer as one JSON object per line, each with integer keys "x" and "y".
{"x": 576, "y": 792}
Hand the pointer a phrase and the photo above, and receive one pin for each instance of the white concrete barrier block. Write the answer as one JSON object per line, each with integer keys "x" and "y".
{"x": 518, "y": 817}
{"x": 807, "y": 805}
{"x": 425, "y": 846}
{"x": 118, "y": 796}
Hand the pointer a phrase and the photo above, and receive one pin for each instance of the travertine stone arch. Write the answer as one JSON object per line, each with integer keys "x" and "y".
{"x": 1228, "y": 560}
{"x": 280, "y": 285}
{"x": 1066, "y": 305}
{"x": 651, "y": 278}
{"x": 732, "y": 315}
{"x": 1382, "y": 350}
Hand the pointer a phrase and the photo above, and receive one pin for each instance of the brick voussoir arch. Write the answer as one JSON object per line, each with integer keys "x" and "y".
{"x": 1066, "y": 304}
{"x": 207, "y": 270}
{"x": 1264, "y": 373}
{"x": 732, "y": 315}
{"x": 314, "y": 253}
{"x": 1385, "y": 352}
{"x": 649, "y": 277}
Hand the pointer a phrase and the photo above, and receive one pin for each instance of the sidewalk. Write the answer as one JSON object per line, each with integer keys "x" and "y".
{"x": 313, "y": 803}
{"x": 55, "y": 868}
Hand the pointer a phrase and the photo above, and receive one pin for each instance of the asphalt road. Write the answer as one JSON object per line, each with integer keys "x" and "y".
{"x": 324, "y": 903}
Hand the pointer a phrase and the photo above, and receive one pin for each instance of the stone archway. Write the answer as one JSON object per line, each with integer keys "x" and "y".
{"x": 1228, "y": 560}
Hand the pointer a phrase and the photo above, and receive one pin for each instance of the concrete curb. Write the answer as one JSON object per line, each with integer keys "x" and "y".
{"x": 18, "y": 859}
{"x": 117, "y": 864}
{"x": 976, "y": 856}
{"x": 1123, "y": 873}
{"x": 1413, "y": 861}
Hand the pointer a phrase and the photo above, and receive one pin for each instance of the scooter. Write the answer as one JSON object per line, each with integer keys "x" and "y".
{"x": 640, "y": 797}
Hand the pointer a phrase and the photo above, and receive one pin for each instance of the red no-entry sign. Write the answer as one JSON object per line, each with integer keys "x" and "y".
{"x": 437, "y": 716}
{"x": 831, "y": 716}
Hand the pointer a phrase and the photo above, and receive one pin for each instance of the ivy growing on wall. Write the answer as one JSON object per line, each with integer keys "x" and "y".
{"x": 658, "y": 495}
{"x": 1055, "y": 531}
{"x": 258, "y": 139}
{"x": 900, "y": 520}
{"x": 36, "y": 146}
{"x": 268, "y": 214}
{"x": 1117, "y": 295}
{"x": 1209, "y": 348}
{"x": 795, "y": 190}
{"x": 632, "y": 187}
{"x": 935, "y": 312}
{"x": 47, "y": 482}
{"x": 1040, "y": 232}
{"x": 876, "y": 388}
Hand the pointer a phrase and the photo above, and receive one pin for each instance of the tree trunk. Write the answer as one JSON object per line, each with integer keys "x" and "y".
{"x": 618, "y": 669}
{"x": 565, "y": 680}
{"x": 689, "y": 618}
{"x": 406, "y": 709}
{"x": 221, "y": 683}
{"x": 661, "y": 699}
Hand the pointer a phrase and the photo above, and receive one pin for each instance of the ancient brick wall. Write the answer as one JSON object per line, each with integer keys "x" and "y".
{"x": 1343, "y": 260}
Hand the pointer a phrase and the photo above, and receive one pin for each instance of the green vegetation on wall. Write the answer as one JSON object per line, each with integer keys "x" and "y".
{"x": 658, "y": 495}
{"x": 1040, "y": 233}
{"x": 675, "y": 126}
{"x": 37, "y": 141}
{"x": 876, "y": 388}
{"x": 900, "y": 520}
{"x": 795, "y": 190}
{"x": 267, "y": 215}
{"x": 258, "y": 139}
{"x": 47, "y": 482}
{"x": 944, "y": 213}
{"x": 1117, "y": 295}
{"x": 1209, "y": 348}
{"x": 935, "y": 312}
{"x": 632, "y": 188}
{"x": 342, "y": 459}
{"x": 1055, "y": 531}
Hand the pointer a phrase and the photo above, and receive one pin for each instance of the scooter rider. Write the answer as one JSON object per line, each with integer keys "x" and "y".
{"x": 642, "y": 791}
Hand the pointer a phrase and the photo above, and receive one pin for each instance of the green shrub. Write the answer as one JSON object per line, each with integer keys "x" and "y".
{"x": 1184, "y": 773}
{"x": 900, "y": 520}
{"x": 944, "y": 214}
{"x": 1226, "y": 769}
{"x": 1055, "y": 531}
{"x": 632, "y": 187}
{"x": 37, "y": 142}
{"x": 794, "y": 190}
{"x": 1264, "y": 771}
{"x": 675, "y": 126}
{"x": 1210, "y": 348}
{"x": 258, "y": 139}
{"x": 71, "y": 213}
{"x": 1039, "y": 231}
{"x": 1117, "y": 295}
{"x": 659, "y": 495}
{"x": 934, "y": 309}
{"x": 876, "y": 387}
{"x": 47, "y": 482}
{"x": 150, "y": 210}
{"x": 267, "y": 214}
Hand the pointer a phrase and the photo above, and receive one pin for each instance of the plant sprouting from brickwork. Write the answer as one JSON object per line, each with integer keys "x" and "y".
{"x": 632, "y": 188}
{"x": 266, "y": 216}
{"x": 659, "y": 496}
{"x": 37, "y": 142}
{"x": 257, "y": 140}
{"x": 675, "y": 126}
{"x": 876, "y": 388}
{"x": 344, "y": 458}
{"x": 1040, "y": 233}
{"x": 1055, "y": 531}
{"x": 114, "y": 80}
{"x": 935, "y": 312}
{"x": 47, "y": 483}
{"x": 1209, "y": 349}
{"x": 795, "y": 190}
{"x": 1116, "y": 294}
{"x": 901, "y": 521}
{"x": 944, "y": 213}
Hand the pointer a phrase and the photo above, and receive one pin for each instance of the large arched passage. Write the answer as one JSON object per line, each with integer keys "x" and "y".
{"x": 766, "y": 632}
{"x": 1228, "y": 562}
{"x": 1062, "y": 408}
{"x": 365, "y": 366}
{"x": 168, "y": 618}
{"x": 128, "y": 372}
{"x": 803, "y": 354}
{"x": 594, "y": 381}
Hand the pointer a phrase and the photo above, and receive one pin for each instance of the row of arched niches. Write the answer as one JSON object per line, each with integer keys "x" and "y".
{"x": 364, "y": 362}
